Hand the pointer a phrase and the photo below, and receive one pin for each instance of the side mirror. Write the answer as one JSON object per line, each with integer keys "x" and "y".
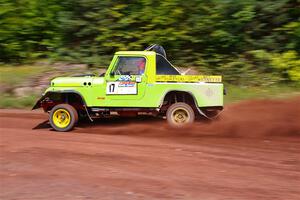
{"x": 112, "y": 73}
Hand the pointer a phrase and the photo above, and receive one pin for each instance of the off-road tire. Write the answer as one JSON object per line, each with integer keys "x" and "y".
{"x": 72, "y": 114}
{"x": 180, "y": 109}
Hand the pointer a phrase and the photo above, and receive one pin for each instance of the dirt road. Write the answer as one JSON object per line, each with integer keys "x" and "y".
{"x": 251, "y": 152}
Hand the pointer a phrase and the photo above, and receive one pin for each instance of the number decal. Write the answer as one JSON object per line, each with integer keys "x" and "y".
{"x": 121, "y": 87}
{"x": 112, "y": 88}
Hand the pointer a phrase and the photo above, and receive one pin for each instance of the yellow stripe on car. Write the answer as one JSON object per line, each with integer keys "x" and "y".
{"x": 188, "y": 78}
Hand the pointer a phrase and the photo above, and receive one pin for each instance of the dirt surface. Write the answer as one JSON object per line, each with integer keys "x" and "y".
{"x": 251, "y": 152}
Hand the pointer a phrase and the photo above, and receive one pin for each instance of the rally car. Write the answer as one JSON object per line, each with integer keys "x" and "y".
{"x": 136, "y": 82}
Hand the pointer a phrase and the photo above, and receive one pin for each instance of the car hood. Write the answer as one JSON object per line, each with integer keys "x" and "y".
{"x": 71, "y": 81}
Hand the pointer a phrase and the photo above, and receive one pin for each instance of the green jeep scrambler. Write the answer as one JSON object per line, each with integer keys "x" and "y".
{"x": 136, "y": 82}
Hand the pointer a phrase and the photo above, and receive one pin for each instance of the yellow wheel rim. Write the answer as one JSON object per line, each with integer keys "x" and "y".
{"x": 61, "y": 118}
{"x": 180, "y": 116}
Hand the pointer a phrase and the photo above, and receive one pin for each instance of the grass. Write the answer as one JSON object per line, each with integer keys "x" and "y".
{"x": 15, "y": 76}
{"x": 239, "y": 93}
{"x": 8, "y": 101}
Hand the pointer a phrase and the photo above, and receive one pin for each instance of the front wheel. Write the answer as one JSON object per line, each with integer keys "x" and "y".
{"x": 63, "y": 117}
{"x": 180, "y": 114}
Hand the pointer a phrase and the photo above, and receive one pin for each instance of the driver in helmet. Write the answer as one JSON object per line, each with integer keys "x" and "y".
{"x": 141, "y": 66}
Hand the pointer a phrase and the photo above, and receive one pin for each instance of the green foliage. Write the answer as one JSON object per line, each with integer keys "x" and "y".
{"x": 288, "y": 63}
{"x": 250, "y": 42}
{"x": 28, "y": 29}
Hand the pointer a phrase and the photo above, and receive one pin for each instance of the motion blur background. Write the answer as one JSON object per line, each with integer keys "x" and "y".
{"x": 254, "y": 44}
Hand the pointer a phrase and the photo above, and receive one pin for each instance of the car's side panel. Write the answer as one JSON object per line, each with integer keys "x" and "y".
{"x": 206, "y": 95}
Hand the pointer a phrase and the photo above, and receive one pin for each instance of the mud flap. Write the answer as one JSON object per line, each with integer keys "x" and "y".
{"x": 207, "y": 117}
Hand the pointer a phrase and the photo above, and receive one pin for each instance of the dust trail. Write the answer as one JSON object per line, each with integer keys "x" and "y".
{"x": 253, "y": 118}
{"x": 258, "y": 118}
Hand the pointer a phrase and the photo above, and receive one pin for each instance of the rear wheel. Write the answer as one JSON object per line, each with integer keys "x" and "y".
{"x": 63, "y": 117}
{"x": 180, "y": 114}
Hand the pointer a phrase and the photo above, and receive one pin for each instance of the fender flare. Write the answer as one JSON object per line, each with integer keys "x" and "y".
{"x": 188, "y": 92}
{"x": 169, "y": 91}
{"x": 49, "y": 93}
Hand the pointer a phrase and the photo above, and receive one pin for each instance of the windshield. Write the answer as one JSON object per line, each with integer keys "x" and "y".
{"x": 130, "y": 65}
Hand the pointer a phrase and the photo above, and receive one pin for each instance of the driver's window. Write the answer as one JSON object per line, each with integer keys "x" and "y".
{"x": 130, "y": 66}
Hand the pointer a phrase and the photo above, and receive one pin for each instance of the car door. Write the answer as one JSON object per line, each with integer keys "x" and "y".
{"x": 126, "y": 82}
